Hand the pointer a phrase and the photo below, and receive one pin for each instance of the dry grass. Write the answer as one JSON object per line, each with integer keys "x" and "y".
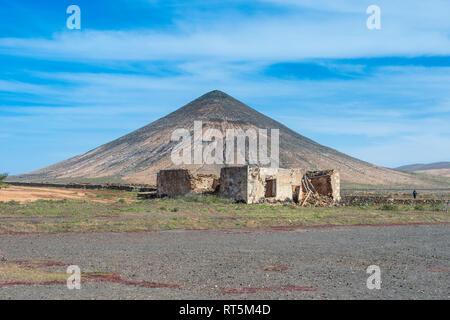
{"x": 18, "y": 272}
{"x": 191, "y": 212}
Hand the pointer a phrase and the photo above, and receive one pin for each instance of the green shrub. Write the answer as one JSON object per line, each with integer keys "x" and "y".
{"x": 419, "y": 207}
{"x": 3, "y": 177}
{"x": 389, "y": 207}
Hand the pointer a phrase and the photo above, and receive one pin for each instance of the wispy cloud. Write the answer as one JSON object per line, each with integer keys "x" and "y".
{"x": 329, "y": 29}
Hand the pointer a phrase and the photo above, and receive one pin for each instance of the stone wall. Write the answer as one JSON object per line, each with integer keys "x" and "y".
{"x": 205, "y": 183}
{"x": 326, "y": 183}
{"x": 122, "y": 187}
{"x": 252, "y": 184}
{"x": 256, "y": 189}
{"x": 369, "y": 200}
{"x": 233, "y": 183}
{"x": 285, "y": 182}
{"x": 176, "y": 182}
{"x": 173, "y": 182}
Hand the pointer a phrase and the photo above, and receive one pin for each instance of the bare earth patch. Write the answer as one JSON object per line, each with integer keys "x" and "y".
{"x": 39, "y": 272}
{"x": 30, "y": 194}
{"x": 28, "y": 273}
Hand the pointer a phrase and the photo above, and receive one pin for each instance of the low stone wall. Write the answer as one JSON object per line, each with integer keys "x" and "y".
{"x": 367, "y": 200}
{"x": 142, "y": 188}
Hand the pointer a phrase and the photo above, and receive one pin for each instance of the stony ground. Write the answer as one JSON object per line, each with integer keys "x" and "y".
{"x": 284, "y": 263}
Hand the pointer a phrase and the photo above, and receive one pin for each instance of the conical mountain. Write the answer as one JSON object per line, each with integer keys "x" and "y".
{"x": 139, "y": 155}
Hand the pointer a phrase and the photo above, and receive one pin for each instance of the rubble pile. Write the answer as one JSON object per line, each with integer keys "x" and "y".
{"x": 312, "y": 198}
{"x": 317, "y": 200}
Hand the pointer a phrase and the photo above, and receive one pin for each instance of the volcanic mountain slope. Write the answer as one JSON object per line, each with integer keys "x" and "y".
{"x": 138, "y": 156}
{"x": 436, "y": 168}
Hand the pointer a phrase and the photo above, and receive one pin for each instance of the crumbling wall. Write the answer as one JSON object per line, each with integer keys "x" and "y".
{"x": 233, "y": 183}
{"x": 256, "y": 185}
{"x": 297, "y": 194}
{"x": 205, "y": 183}
{"x": 296, "y": 184}
{"x": 285, "y": 182}
{"x": 326, "y": 183}
{"x": 175, "y": 182}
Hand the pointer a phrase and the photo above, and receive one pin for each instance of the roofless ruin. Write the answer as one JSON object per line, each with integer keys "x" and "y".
{"x": 255, "y": 185}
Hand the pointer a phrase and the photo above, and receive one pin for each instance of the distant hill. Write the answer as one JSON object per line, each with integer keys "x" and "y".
{"x": 436, "y": 168}
{"x": 422, "y": 166}
{"x": 139, "y": 155}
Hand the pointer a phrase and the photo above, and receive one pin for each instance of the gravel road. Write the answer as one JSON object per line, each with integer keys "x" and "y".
{"x": 303, "y": 263}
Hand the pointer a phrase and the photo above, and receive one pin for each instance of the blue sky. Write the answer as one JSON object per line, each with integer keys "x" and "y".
{"x": 380, "y": 95}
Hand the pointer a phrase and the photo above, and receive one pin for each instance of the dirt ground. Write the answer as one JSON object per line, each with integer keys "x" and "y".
{"x": 306, "y": 263}
{"x": 30, "y": 194}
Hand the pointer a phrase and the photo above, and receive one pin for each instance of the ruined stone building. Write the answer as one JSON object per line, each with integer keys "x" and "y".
{"x": 326, "y": 183}
{"x": 253, "y": 184}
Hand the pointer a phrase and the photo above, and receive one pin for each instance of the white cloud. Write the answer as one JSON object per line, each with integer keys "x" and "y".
{"x": 415, "y": 28}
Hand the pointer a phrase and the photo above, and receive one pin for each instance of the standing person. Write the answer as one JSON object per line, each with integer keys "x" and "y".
{"x": 414, "y": 193}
